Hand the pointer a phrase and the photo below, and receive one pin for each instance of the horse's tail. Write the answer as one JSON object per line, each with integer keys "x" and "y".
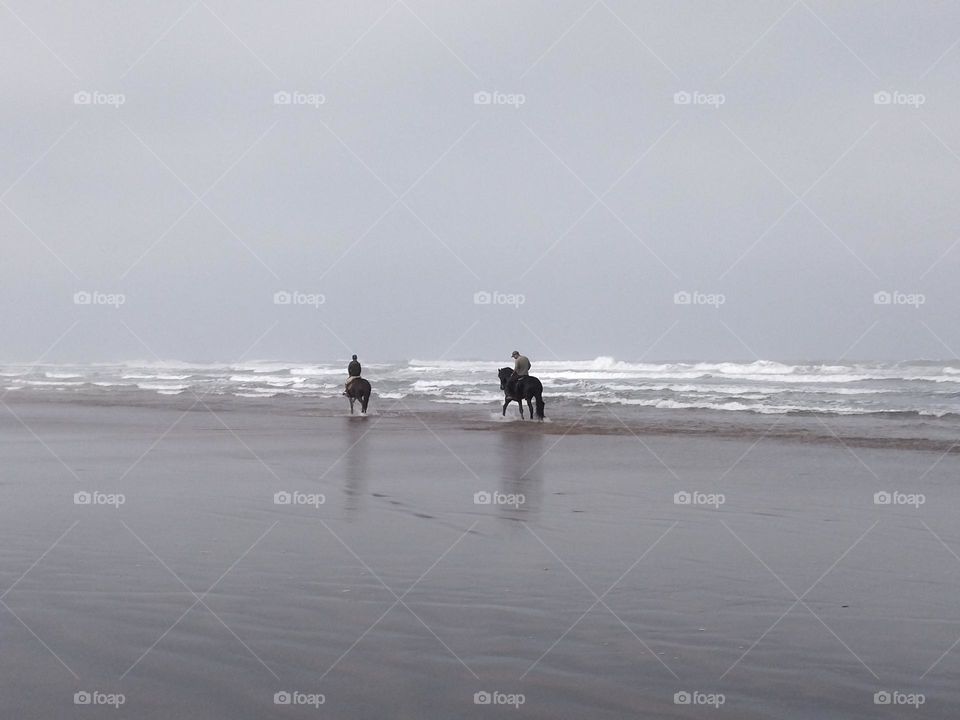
{"x": 539, "y": 406}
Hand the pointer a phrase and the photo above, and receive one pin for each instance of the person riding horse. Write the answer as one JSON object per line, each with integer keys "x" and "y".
{"x": 357, "y": 388}
{"x": 518, "y": 384}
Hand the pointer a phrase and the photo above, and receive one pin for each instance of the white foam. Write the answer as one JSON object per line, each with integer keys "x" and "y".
{"x": 161, "y": 386}
{"x": 53, "y": 383}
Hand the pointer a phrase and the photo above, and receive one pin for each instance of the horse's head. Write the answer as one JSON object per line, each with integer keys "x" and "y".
{"x": 504, "y": 374}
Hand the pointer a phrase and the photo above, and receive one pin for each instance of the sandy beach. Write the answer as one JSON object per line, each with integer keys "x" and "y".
{"x": 429, "y": 554}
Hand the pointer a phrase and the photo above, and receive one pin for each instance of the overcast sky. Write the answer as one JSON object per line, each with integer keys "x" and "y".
{"x": 178, "y": 190}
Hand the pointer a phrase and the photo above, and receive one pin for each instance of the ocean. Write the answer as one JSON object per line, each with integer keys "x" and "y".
{"x": 918, "y": 388}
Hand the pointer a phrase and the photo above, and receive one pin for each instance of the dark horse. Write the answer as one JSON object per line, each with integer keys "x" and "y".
{"x": 520, "y": 389}
{"x": 359, "y": 389}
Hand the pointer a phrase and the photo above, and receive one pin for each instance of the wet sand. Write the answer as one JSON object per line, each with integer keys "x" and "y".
{"x": 400, "y": 596}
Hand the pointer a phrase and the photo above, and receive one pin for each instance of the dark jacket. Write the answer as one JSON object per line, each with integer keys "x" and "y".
{"x": 353, "y": 369}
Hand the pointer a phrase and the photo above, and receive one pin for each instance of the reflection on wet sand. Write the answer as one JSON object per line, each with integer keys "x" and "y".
{"x": 520, "y": 454}
{"x": 355, "y": 447}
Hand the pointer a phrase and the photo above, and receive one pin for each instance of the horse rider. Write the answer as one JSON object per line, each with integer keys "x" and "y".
{"x": 353, "y": 372}
{"x": 521, "y": 367}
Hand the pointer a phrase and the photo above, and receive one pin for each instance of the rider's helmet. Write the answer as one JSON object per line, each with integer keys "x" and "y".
{"x": 354, "y": 357}
{"x": 515, "y": 353}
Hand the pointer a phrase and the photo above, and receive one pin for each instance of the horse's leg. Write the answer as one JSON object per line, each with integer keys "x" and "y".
{"x": 505, "y": 403}
{"x": 351, "y": 405}
{"x": 520, "y": 405}
{"x": 363, "y": 404}
{"x": 530, "y": 407}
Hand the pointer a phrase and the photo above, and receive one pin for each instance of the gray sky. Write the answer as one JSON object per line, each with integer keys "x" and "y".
{"x": 586, "y": 193}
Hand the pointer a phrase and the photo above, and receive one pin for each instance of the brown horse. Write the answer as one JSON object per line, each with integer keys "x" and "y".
{"x": 358, "y": 389}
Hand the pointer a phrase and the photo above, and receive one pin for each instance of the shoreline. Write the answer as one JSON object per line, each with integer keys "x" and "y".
{"x": 928, "y": 434}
